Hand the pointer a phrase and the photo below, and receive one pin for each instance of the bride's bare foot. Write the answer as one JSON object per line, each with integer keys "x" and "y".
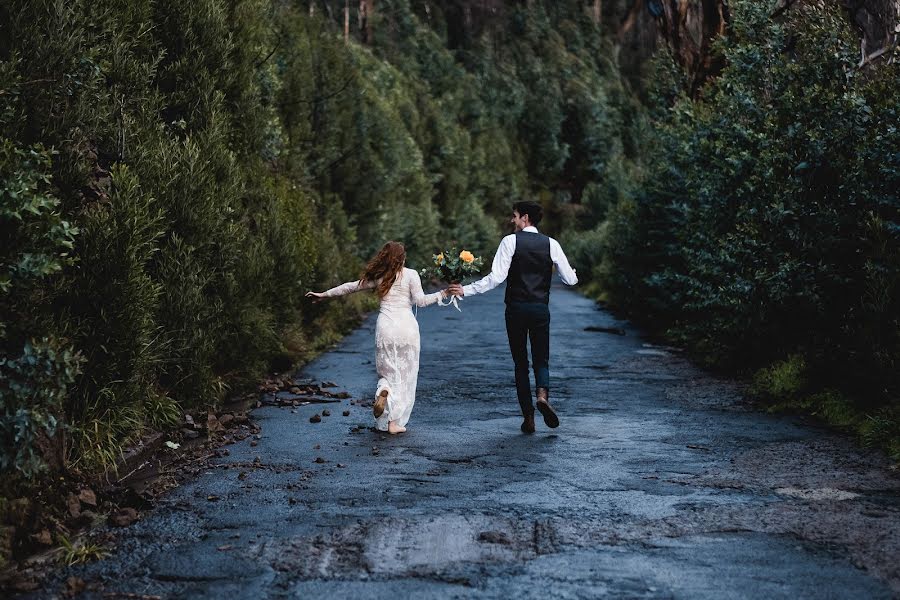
{"x": 393, "y": 428}
{"x": 380, "y": 404}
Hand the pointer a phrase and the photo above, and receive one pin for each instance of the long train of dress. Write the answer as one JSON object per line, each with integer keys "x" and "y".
{"x": 396, "y": 342}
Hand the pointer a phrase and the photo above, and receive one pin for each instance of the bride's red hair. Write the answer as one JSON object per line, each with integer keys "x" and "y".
{"x": 386, "y": 266}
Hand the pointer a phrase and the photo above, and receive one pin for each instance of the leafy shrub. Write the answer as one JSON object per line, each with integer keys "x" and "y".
{"x": 35, "y": 374}
{"x": 33, "y": 387}
{"x": 766, "y": 226}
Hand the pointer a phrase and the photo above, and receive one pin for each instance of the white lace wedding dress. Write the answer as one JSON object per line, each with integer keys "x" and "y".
{"x": 396, "y": 342}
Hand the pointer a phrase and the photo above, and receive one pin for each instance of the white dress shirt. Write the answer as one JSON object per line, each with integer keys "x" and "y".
{"x": 503, "y": 259}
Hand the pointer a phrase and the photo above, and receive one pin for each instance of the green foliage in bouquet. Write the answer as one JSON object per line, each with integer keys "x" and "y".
{"x": 452, "y": 266}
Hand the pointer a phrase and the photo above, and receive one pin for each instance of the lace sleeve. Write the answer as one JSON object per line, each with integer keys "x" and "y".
{"x": 349, "y": 288}
{"x": 416, "y": 295}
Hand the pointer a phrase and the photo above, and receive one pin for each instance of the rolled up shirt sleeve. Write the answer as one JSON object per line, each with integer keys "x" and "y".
{"x": 499, "y": 268}
{"x": 565, "y": 270}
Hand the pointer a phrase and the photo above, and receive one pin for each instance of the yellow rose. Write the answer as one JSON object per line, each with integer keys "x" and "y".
{"x": 439, "y": 259}
{"x": 466, "y": 256}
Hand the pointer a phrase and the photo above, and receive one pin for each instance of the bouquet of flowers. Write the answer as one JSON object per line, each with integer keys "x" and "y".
{"x": 452, "y": 267}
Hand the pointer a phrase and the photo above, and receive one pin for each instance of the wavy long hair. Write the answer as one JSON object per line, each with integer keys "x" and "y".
{"x": 386, "y": 266}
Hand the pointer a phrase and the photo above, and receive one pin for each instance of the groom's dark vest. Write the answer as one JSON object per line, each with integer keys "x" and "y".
{"x": 531, "y": 269}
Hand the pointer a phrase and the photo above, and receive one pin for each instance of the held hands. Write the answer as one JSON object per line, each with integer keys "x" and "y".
{"x": 454, "y": 292}
{"x": 455, "y": 289}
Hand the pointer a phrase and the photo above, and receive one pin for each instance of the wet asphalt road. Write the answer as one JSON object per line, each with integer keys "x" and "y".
{"x": 660, "y": 483}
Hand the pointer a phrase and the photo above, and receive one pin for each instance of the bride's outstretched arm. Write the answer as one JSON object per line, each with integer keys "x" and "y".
{"x": 343, "y": 289}
{"x": 420, "y": 298}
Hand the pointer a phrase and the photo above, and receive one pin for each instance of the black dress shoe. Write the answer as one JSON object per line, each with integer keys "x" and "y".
{"x": 550, "y": 418}
{"x": 543, "y": 405}
{"x": 528, "y": 424}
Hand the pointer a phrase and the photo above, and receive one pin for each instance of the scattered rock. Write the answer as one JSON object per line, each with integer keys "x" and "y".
{"x": 74, "y": 586}
{"x": 257, "y": 460}
{"x": 226, "y": 419}
{"x": 346, "y": 413}
{"x": 326, "y": 413}
{"x": 320, "y": 460}
{"x": 189, "y": 421}
{"x": 342, "y": 395}
{"x": 317, "y": 447}
{"x": 87, "y": 496}
{"x": 212, "y": 498}
{"x": 189, "y": 433}
{"x": 242, "y": 475}
{"x": 85, "y": 519}
{"x": 315, "y": 418}
{"x": 212, "y": 423}
{"x": 253, "y": 443}
{"x": 43, "y": 537}
{"x": 123, "y": 517}
{"x": 328, "y": 384}
{"x": 225, "y": 547}
{"x": 74, "y": 505}
{"x": 341, "y": 465}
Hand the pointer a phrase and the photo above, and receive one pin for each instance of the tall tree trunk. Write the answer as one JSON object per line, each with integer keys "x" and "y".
{"x": 346, "y": 21}
{"x": 689, "y": 27}
{"x": 630, "y": 19}
{"x": 366, "y": 11}
{"x": 879, "y": 24}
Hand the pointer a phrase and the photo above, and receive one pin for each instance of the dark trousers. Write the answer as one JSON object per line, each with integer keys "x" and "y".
{"x": 529, "y": 320}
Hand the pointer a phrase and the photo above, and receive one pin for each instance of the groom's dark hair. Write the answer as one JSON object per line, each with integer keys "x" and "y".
{"x": 532, "y": 209}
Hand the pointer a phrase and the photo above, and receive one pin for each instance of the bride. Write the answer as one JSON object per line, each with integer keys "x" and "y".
{"x": 396, "y": 332}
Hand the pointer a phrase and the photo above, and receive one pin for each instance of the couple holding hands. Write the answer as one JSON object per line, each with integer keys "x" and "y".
{"x": 524, "y": 260}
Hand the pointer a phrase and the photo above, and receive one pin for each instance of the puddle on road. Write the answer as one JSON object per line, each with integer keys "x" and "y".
{"x": 406, "y": 546}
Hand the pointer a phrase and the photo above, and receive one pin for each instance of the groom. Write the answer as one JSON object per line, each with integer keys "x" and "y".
{"x": 526, "y": 259}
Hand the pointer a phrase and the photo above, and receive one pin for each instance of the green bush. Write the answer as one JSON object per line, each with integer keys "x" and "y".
{"x": 36, "y": 373}
{"x": 33, "y": 387}
{"x": 767, "y": 225}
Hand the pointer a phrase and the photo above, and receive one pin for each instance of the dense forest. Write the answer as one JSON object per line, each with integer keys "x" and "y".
{"x": 175, "y": 175}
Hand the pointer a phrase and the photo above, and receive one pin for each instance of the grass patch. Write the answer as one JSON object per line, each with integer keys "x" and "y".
{"x": 785, "y": 387}
{"x": 784, "y": 380}
{"x": 80, "y": 551}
